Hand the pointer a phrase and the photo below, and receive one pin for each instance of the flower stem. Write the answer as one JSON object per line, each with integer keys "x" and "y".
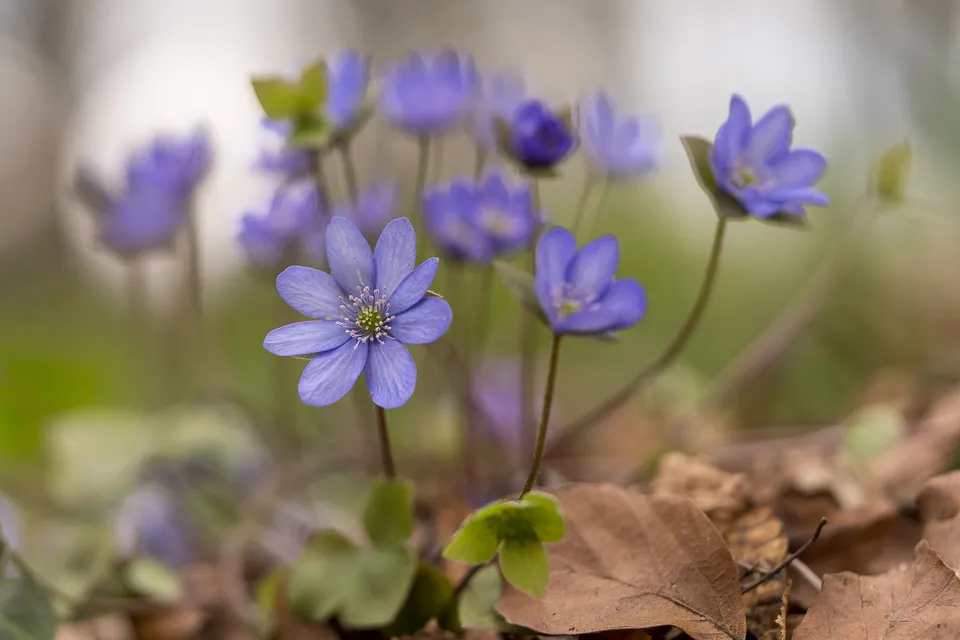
{"x": 349, "y": 173}
{"x": 139, "y": 331}
{"x": 479, "y": 162}
{"x": 577, "y": 428}
{"x": 580, "y": 212}
{"x": 423, "y": 163}
{"x": 437, "y": 172}
{"x": 528, "y": 352}
{"x": 194, "y": 300}
{"x": 386, "y": 456}
{"x": 285, "y": 419}
{"x": 544, "y": 416}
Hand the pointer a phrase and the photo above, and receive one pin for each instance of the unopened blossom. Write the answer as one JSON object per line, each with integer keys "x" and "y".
{"x": 617, "y": 146}
{"x": 577, "y": 290}
{"x": 753, "y": 162}
{"x": 364, "y": 312}
{"x": 538, "y": 137}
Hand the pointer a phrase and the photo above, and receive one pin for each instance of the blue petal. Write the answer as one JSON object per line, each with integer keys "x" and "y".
{"x": 593, "y": 268}
{"x": 329, "y": 376}
{"x": 349, "y": 256}
{"x": 391, "y": 374}
{"x": 414, "y": 286}
{"x": 602, "y": 118}
{"x": 627, "y": 300}
{"x": 799, "y": 168}
{"x": 396, "y": 255}
{"x": 732, "y": 136}
{"x": 555, "y": 249}
{"x": 302, "y": 338}
{"x": 422, "y": 323}
{"x": 310, "y": 291}
{"x": 801, "y": 195}
{"x": 771, "y": 136}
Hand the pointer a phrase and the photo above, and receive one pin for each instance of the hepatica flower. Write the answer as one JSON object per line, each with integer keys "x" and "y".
{"x": 426, "y": 94}
{"x": 577, "y": 290}
{"x": 375, "y": 206}
{"x": 480, "y": 222}
{"x": 278, "y": 157}
{"x": 348, "y": 76}
{"x": 272, "y": 237}
{"x": 140, "y": 219}
{"x": 536, "y": 137}
{"x": 500, "y": 96}
{"x": 177, "y": 165}
{"x": 364, "y": 311}
{"x": 754, "y": 163}
{"x": 617, "y": 147}
{"x": 150, "y": 523}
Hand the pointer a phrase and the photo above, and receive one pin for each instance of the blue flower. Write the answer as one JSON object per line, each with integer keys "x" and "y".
{"x": 426, "y": 94}
{"x": 617, "y": 147}
{"x": 501, "y": 95}
{"x": 272, "y": 237}
{"x": 539, "y": 138}
{"x": 348, "y": 74}
{"x": 278, "y": 157}
{"x": 144, "y": 217}
{"x": 577, "y": 290}
{"x": 754, "y": 163}
{"x": 373, "y": 304}
{"x": 497, "y": 391}
{"x": 376, "y": 205}
{"x": 480, "y": 222}
{"x": 150, "y": 523}
{"x": 174, "y": 164}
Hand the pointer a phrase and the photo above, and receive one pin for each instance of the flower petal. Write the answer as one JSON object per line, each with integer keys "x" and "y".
{"x": 391, "y": 374}
{"x": 732, "y": 136}
{"x": 770, "y": 138}
{"x": 395, "y": 255}
{"x": 422, "y": 323}
{"x": 349, "y": 256}
{"x": 555, "y": 249}
{"x": 312, "y": 292}
{"x": 626, "y": 299}
{"x": 593, "y": 268}
{"x": 302, "y": 338}
{"x": 329, "y": 376}
{"x": 414, "y": 286}
{"x": 799, "y": 168}
{"x": 802, "y": 195}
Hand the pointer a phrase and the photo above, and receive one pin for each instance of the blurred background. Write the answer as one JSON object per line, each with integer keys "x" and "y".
{"x": 86, "y": 391}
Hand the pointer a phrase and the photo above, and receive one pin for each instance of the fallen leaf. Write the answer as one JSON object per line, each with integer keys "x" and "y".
{"x": 631, "y": 561}
{"x": 721, "y": 495}
{"x": 939, "y": 504}
{"x": 906, "y": 603}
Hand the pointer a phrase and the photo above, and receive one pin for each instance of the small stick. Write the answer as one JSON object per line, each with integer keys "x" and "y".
{"x": 790, "y": 558}
{"x": 807, "y": 573}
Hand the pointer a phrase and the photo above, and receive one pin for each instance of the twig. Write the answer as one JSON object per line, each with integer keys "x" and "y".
{"x": 807, "y": 573}
{"x": 786, "y": 561}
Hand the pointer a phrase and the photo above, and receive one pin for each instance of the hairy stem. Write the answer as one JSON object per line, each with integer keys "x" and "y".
{"x": 544, "y": 416}
{"x": 350, "y": 174}
{"x": 386, "y": 455}
{"x": 528, "y": 353}
{"x": 479, "y": 162}
{"x": 423, "y": 164}
{"x": 580, "y": 212}
{"x": 576, "y": 429}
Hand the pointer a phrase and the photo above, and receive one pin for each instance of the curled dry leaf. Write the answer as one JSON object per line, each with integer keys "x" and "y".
{"x": 910, "y": 602}
{"x": 631, "y": 561}
{"x": 939, "y": 504}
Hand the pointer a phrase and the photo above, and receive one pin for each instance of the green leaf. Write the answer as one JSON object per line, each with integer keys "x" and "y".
{"x": 544, "y": 517}
{"x": 431, "y": 596}
{"x": 313, "y": 87}
{"x": 267, "y": 593}
{"x": 524, "y": 565}
{"x": 375, "y": 587}
{"x": 311, "y": 133}
{"x": 279, "y": 98}
{"x": 892, "y": 174}
{"x": 520, "y": 286}
{"x": 477, "y": 539}
{"x": 388, "y": 518}
{"x": 872, "y": 431}
{"x": 153, "y": 579}
{"x": 698, "y": 153}
{"x": 313, "y": 592}
{"x": 478, "y": 600}
{"x": 26, "y": 612}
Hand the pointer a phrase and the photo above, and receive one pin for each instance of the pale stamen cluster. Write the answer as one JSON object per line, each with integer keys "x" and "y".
{"x": 366, "y": 316}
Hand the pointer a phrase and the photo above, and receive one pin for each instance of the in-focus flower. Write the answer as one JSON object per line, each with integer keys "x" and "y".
{"x": 278, "y": 157}
{"x": 376, "y": 205}
{"x": 535, "y": 137}
{"x": 480, "y": 222}
{"x": 577, "y": 290}
{"x": 143, "y": 218}
{"x": 174, "y": 164}
{"x": 348, "y": 75}
{"x": 150, "y": 523}
{"x": 617, "y": 147}
{"x": 426, "y": 94}
{"x": 754, "y": 163}
{"x": 364, "y": 311}
{"x": 500, "y": 96}
{"x": 273, "y": 237}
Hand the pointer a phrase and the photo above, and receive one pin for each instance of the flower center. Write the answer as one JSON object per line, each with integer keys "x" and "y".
{"x": 366, "y": 316}
{"x": 499, "y": 224}
{"x": 746, "y": 174}
{"x": 567, "y": 300}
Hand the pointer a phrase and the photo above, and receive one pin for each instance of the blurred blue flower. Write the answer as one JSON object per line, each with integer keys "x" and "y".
{"x": 373, "y": 303}
{"x": 11, "y": 528}
{"x": 577, "y": 290}
{"x": 278, "y": 157}
{"x": 500, "y": 96}
{"x": 617, "y": 147}
{"x": 347, "y": 80}
{"x": 539, "y": 138}
{"x": 480, "y": 222}
{"x": 496, "y": 389}
{"x": 177, "y": 165}
{"x": 271, "y": 237}
{"x": 376, "y": 205}
{"x": 142, "y": 218}
{"x": 150, "y": 523}
{"x": 425, "y": 94}
{"x": 754, "y": 163}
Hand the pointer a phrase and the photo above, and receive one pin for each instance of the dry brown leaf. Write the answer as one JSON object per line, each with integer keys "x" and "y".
{"x": 630, "y": 561}
{"x": 912, "y": 602}
{"x": 939, "y": 504}
{"x": 722, "y": 496}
